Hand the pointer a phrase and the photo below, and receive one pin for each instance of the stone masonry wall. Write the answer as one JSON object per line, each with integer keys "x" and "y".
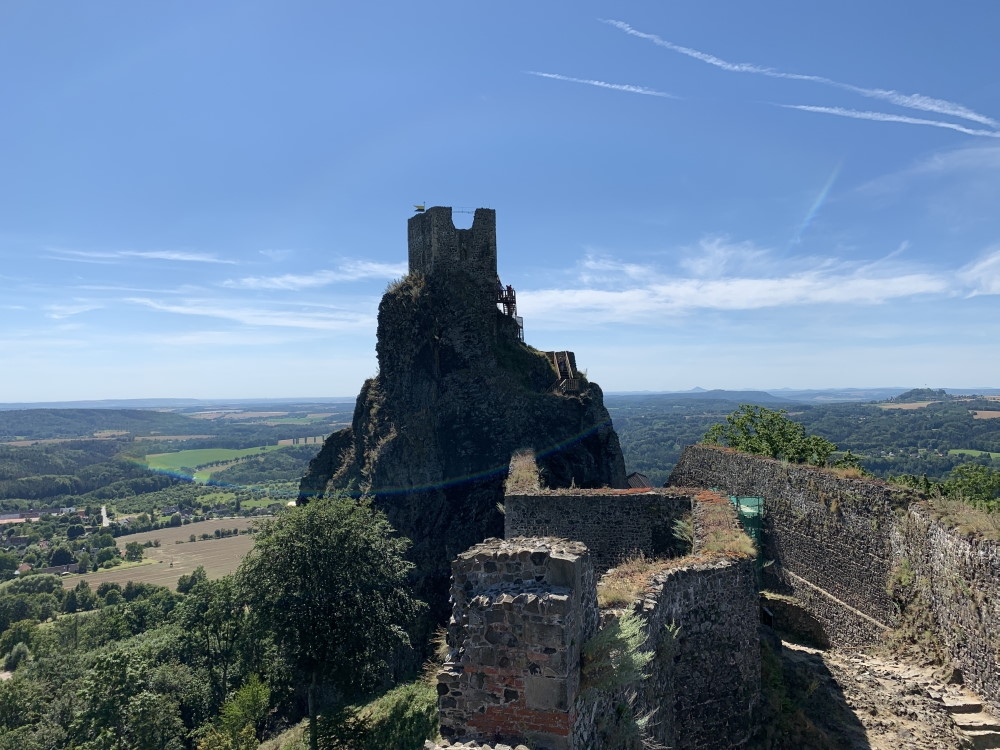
{"x": 524, "y": 607}
{"x": 705, "y": 680}
{"x": 830, "y": 537}
{"x": 437, "y": 247}
{"x": 701, "y": 618}
{"x": 522, "y": 610}
{"x": 958, "y": 579}
{"x": 614, "y": 524}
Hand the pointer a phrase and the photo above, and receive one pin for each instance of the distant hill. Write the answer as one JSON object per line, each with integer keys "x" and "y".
{"x": 37, "y": 424}
{"x": 173, "y": 403}
{"x": 698, "y": 394}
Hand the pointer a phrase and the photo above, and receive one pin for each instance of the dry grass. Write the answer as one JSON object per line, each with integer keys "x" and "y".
{"x": 522, "y": 477}
{"x": 911, "y": 405}
{"x": 986, "y": 415}
{"x": 622, "y": 585}
{"x": 717, "y": 532}
{"x": 967, "y": 520}
{"x": 847, "y": 472}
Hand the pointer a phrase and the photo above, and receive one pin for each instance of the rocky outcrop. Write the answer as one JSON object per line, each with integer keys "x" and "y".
{"x": 457, "y": 393}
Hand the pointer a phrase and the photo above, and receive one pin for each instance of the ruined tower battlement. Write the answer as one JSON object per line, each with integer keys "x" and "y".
{"x": 436, "y": 246}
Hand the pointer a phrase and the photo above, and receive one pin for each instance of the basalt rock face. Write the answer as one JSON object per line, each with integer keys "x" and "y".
{"x": 457, "y": 393}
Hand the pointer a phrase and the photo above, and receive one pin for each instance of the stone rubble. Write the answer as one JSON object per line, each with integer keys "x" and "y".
{"x": 902, "y": 706}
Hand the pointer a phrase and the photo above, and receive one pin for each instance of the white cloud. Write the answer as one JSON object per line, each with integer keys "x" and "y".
{"x": 983, "y": 275}
{"x": 724, "y": 276}
{"x": 717, "y": 256}
{"x": 67, "y": 310}
{"x": 352, "y": 270}
{"x": 339, "y": 320}
{"x": 627, "y": 87}
{"x": 276, "y": 254}
{"x": 885, "y": 117}
{"x": 909, "y": 101}
{"x": 98, "y": 256}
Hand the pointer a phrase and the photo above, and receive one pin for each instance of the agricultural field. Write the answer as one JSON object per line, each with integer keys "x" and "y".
{"x": 194, "y": 458}
{"x": 986, "y": 415}
{"x": 168, "y": 562}
{"x": 909, "y": 405}
{"x": 970, "y": 452}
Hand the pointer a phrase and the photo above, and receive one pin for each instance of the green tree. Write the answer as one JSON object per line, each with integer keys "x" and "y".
{"x": 61, "y": 555}
{"x": 214, "y": 616}
{"x": 975, "y": 482}
{"x": 248, "y": 707}
{"x": 189, "y": 580}
{"x": 134, "y": 551}
{"x": 766, "y": 432}
{"x": 329, "y": 581}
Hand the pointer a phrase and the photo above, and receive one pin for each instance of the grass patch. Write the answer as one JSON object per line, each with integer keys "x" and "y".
{"x": 622, "y": 585}
{"x": 523, "y": 477}
{"x": 971, "y": 452}
{"x": 717, "y": 531}
{"x": 195, "y": 459}
{"x": 402, "y": 719}
{"x": 966, "y": 519}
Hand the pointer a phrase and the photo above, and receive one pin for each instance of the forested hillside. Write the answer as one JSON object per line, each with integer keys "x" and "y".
{"x": 654, "y": 429}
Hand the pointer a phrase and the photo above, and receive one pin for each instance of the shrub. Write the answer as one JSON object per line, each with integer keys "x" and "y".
{"x": 614, "y": 658}
{"x": 522, "y": 476}
{"x": 17, "y": 656}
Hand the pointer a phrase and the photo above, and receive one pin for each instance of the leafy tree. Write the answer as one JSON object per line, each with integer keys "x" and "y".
{"x": 247, "y": 708}
{"x": 134, "y": 551}
{"x": 188, "y": 581}
{"x": 766, "y": 432}
{"x": 61, "y": 555}
{"x": 8, "y": 564}
{"x": 214, "y": 615}
{"x": 74, "y": 531}
{"x": 329, "y": 581}
{"x": 974, "y": 482}
{"x": 83, "y": 561}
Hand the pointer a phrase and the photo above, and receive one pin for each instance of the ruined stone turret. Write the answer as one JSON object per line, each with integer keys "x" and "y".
{"x": 457, "y": 393}
{"x": 436, "y": 246}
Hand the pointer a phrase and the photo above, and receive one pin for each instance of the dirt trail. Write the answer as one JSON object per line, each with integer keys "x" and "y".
{"x": 869, "y": 702}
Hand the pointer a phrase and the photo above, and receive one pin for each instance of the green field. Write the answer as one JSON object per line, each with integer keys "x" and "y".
{"x": 177, "y": 461}
{"x": 970, "y": 452}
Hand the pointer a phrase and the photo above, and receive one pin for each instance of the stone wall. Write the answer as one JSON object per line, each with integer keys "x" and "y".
{"x": 522, "y": 610}
{"x": 701, "y": 621}
{"x": 614, "y": 524}
{"x": 958, "y": 580}
{"x": 829, "y": 536}
{"x": 437, "y": 247}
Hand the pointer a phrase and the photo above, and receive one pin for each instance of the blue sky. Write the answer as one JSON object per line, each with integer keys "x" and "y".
{"x": 207, "y": 200}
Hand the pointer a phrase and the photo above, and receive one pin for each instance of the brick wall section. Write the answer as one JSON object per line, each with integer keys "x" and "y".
{"x": 613, "y": 524}
{"x": 830, "y": 537}
{"x": 961, "y": 580}
{"x": 522, "y": 609}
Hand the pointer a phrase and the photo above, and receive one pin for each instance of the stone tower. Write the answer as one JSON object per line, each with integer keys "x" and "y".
{"x": 437, "y": 247}
{"x": 456, "y": 394}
